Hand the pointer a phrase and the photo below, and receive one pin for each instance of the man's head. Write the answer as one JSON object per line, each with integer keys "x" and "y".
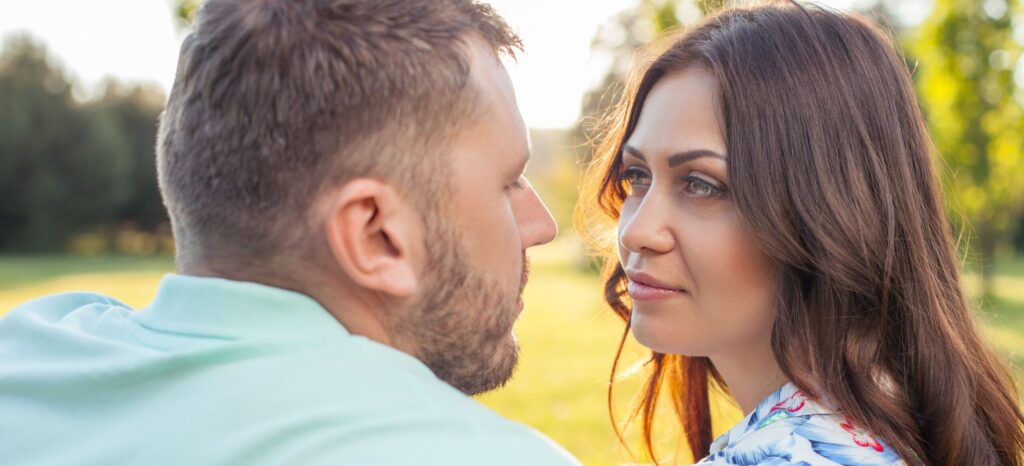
{"x": 368, "y": 153}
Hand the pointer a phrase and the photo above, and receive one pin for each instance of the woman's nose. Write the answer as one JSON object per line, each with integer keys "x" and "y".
{"x": 644, "y": 228}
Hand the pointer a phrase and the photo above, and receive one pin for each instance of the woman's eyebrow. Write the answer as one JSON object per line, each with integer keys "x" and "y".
{"x": 683, "y": 157}
{"x": 677, "y": 158}
{"x": 628, "y": 149}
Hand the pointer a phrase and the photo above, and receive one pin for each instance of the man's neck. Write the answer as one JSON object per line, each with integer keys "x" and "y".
{"x": 336, "y": 298}
{"x": 358, "y": 316}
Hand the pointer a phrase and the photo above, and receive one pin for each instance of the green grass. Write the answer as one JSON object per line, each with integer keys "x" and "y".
{"x": 567, "y": 335}
{"x": 1002, "y": 315}
{"x": 132, "y": 280}
{"x": 18, "y": 271}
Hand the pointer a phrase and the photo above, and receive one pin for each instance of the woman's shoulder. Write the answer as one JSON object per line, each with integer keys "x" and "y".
{"x": 798, "y": 431}
{"x": 813, "y": 440}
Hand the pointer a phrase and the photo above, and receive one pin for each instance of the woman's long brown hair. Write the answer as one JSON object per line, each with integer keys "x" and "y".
{"x": 832, "y": 168}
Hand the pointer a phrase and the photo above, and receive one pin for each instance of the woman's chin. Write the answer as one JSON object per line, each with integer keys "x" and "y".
{"x": 658, "y": 340}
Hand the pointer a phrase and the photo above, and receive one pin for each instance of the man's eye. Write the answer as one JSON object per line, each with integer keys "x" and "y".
{"x": 517, "y": 184}
{"x": 699, "y": 187}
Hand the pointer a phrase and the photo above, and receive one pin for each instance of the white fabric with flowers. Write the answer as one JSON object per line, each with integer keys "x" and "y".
{"x": 790, "y": 429}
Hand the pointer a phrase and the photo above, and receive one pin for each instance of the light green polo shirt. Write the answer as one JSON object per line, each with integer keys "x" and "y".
{"x": 219, "y": 372}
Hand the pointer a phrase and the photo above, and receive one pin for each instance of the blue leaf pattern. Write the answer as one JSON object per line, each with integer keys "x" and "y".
{"x": 789, "y": 429}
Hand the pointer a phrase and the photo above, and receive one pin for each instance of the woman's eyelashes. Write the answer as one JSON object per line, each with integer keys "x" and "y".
{"x": 698, "y": 186}
{"x": 637, "y": 179}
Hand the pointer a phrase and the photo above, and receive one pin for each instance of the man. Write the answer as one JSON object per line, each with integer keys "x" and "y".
{"x": 345, "y": 183}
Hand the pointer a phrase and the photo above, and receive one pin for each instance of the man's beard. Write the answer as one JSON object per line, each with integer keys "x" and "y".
{"x": 462, "y": 326}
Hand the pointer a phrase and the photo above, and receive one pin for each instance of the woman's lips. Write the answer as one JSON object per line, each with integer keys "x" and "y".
{"x": 645, "y": 287}
{"x": 643, "y": 292}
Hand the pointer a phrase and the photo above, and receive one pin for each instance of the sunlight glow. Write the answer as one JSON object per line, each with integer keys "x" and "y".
{"x": 139, "y": 39}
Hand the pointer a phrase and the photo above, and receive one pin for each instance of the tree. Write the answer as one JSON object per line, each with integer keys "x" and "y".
{"x": 62, "y": 168}
{"x": 967, "y": 59}
{"x": 631, "y": 29}
{"x": 619, "y": 40}
{"x": 185, "y": 11}
{"x": 136, "y": 109}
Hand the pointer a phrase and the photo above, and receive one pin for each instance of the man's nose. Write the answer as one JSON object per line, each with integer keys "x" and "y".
{"x": 536, "y": 226}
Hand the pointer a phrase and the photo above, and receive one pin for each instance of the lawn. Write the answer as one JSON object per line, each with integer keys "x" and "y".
{"x": 568, "y": 337}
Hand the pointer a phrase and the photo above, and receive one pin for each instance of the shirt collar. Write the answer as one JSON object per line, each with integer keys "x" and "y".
{"x": 221, "y": 308}
{"x": 788, "y": 401}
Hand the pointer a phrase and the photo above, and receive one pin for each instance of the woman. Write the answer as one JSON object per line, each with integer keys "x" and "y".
{"x": 781, "y": 236}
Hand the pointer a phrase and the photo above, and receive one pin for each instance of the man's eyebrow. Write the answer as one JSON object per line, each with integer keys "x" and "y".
{"x": 677, "y": 158}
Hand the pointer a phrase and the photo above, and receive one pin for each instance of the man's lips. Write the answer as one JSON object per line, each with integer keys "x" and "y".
{"x": 645, "y": 287}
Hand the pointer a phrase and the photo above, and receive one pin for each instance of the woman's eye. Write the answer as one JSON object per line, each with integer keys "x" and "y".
{"x": 699, "y": 187}
{"x": 635, "y": 177}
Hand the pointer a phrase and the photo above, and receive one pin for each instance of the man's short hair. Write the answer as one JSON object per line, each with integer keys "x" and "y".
{"x": 276, "y": 100}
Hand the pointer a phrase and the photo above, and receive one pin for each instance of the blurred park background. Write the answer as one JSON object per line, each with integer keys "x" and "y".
{"x": 79, "y": 208}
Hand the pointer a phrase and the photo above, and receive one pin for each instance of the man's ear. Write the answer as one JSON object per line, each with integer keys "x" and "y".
{"x": 374, "y": 236}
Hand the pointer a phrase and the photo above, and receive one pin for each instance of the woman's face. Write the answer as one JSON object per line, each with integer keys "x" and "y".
{"x": 700, "y": 285}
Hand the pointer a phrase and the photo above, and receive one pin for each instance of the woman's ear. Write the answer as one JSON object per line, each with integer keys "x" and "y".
{"x": 373, "y": 237}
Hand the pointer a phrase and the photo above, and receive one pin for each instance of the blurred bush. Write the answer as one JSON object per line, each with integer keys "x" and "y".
{"x": 69, "y": 167}
{"x": 971, "y": 84}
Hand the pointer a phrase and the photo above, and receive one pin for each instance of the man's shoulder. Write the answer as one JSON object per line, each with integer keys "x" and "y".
{"x": 54, "y": 326}
{"x": 437, "y": 423}
{"x": 53, "y": 309}
{"x": 461, "y": 439}
{"x": 369, "y": 404}
{"x": 55, "y": 306}
{"x": 457, "y": 442}
{"x": 502, "y": 441}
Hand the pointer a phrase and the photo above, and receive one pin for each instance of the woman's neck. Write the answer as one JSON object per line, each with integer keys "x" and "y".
{"x": 751, "y": 376}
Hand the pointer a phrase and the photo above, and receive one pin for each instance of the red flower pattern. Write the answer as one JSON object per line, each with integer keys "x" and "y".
{"x": 861, "y": 437}
{"x": 794, "y": 403}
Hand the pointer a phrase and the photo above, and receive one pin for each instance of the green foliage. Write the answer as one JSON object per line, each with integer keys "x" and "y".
{"x": 967, "y": 57}
{"x": 136, "y": 111}
{"x": 710, "y": 6}
{"x": 185, "y": 11}
{"x": 554, "y": 173}
{"x": 619, "y": 40}
{"x": 61, "y": 167}
{"x": 663, "y": 14}
{"x": 64, "y": 167}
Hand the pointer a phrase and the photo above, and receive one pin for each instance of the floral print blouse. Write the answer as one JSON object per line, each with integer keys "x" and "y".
{"x": 790, "y": 429}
